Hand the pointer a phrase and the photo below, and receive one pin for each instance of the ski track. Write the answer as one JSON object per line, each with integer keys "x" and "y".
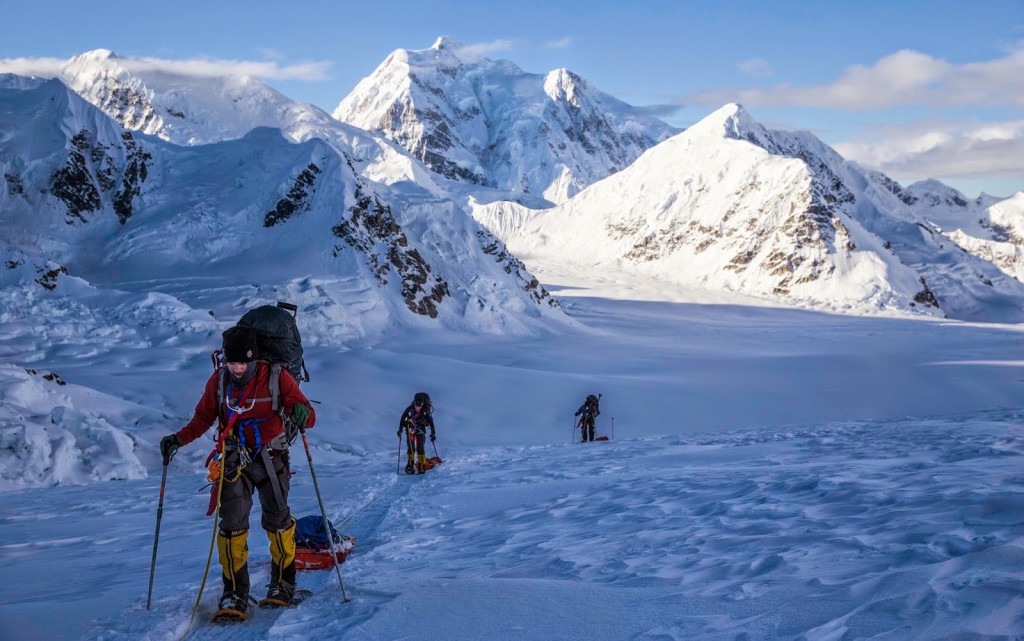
{"x": 889, "y": 529}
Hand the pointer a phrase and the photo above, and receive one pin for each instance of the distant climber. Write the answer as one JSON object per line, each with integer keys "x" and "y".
{"x": 588, "y": 412}
{"x": 414, "y": 422}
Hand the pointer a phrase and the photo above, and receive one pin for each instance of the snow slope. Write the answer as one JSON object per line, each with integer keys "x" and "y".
{"x": 774, "y": 474}
{"x": 89, "y": 199}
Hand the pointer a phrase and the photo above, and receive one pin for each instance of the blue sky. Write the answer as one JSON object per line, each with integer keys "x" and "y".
{"x": 917, "y": 89}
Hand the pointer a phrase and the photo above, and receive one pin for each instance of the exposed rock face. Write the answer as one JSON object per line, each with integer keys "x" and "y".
{"x": 372, "y": 229}
{"x": 93, "y": 174}
{"x": 297, "y": 199}
{"x": 512, "y": 265}
{"x": 73, "y": 183}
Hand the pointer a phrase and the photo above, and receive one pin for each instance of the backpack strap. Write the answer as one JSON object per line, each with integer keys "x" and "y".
{"x": 221, "y": 390}
{"x": 275, "y": 386}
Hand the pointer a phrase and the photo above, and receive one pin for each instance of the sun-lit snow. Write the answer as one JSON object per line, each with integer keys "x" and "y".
{"x": 538, "y": 138}
{"x": 772, "y": 472}
{"x": 196, "y": 109}
{"x": 729, "y": 205}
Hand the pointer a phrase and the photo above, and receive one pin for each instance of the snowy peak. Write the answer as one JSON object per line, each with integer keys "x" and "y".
{"x": 179, "y": 107}
{"x": 261, "y": 204}
{"x": 730, "y": 205}
{"x": 66, "y": 160}
{"x": 488, "y": 123}
{"x": 730, "y": 121}
{"x": 94, "y": 56}
{"x": 446, "y": 43}
{"x": 933, "y": 193}
{"x": 562, "y": 85}
{"x": 186, "y": 107}
{"x": 445, "y": 54}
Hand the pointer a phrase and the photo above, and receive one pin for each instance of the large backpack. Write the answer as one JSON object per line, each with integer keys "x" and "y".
{"x": 278, "y": 343}
{"x": 277, "y": 337}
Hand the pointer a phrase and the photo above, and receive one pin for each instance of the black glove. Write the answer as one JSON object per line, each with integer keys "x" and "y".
{"x": 433, "y": 437}
{"x": 399, "y": 432}
{"x": 168, "y": 446}
{"x": 300, "y": 414}
{"x": 577, "y": 413}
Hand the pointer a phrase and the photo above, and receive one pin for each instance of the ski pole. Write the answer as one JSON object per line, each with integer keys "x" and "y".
{"x": 575, "y": 424}
{"x": 156, "y": 536}
{"x": 323, "y": 511}
{"x": 398, "y": 465}
{"x": 435, "y": 450}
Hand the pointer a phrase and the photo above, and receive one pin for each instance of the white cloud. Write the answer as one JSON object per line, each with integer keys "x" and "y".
{"x": 310, "y": 71}
{"x": 483, "y": 49}
{"x": 936, "y": 148}
{"x": 43, "y": 67}
{"x": 561, "y": 43}
{"x": 900, "y": 79}
{"x": 757, "y": 67}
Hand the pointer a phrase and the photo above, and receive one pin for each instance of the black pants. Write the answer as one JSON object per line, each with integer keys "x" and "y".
{"x": 415, "y": 440}
{"x": 586, "y": 427}
{"x": 236, "y": 496}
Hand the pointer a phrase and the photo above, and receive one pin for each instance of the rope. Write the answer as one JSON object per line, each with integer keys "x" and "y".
{"x": 364, "y": 507}
{"x": 209, "y": 556}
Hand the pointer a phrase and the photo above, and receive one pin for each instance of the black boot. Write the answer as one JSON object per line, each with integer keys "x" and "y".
{"x": 235, "y": 596}
{"x": 282, "y": 587}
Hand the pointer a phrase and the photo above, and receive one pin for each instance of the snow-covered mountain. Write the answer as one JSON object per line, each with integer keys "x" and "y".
{"x": 731, "y": 205}
{"x": 848, "y": 238}
{"x": 988, "y": 227}
{"x": 490, "y": 123}
{"x": 193, "y": 109}
{"x": 86, "y": 198}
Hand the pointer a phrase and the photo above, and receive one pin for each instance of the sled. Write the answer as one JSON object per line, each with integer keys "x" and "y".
{"x": 601, "y": 438}
{"x": 320, "y": 558}
{"x": 431, "y": 463}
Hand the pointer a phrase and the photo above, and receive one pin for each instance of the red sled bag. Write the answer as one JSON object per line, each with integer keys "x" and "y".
{"x": 312, "y": 549}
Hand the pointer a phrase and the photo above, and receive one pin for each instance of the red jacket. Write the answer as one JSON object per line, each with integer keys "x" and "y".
{"x": 261, "y": 416}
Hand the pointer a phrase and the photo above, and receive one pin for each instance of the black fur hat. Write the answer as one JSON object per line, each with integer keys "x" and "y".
{"x": 239, "y": 345}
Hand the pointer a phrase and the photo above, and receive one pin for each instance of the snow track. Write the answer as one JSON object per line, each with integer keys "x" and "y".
{"x": 847, "y": 530}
